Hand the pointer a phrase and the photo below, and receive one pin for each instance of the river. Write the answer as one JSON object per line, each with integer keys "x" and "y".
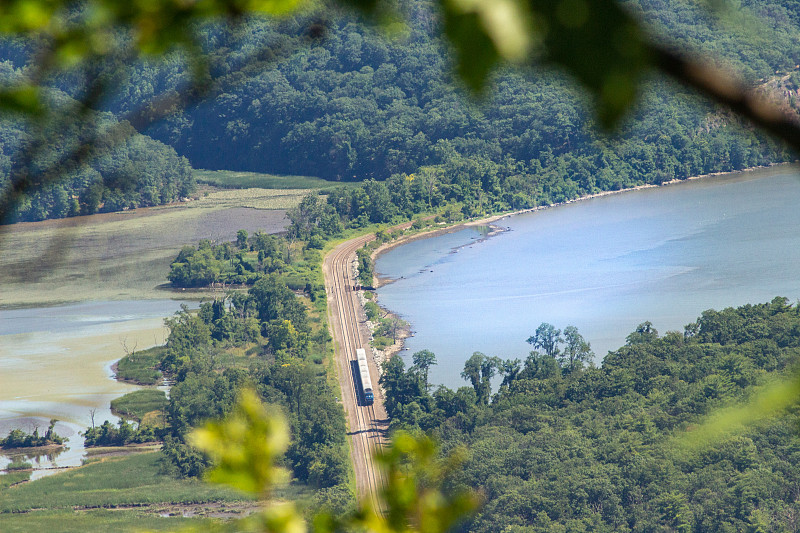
{"x": 55, "y": 362}
{"x": 604, "y": 265}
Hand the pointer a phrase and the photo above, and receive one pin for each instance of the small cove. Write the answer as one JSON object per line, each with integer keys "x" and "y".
{"x": 55, "y": 362}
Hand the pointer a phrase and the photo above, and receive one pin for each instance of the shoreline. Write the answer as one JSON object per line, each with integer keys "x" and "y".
{"x": 380, "y": 281}
{"x": 488, "y": 220}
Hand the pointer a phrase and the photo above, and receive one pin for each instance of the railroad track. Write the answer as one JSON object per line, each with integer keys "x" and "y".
{"x": 366, "y": 423}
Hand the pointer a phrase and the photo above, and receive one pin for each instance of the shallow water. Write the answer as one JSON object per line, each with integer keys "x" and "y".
{"x": 604, "y": 265}
{"x": 55, "y": 362}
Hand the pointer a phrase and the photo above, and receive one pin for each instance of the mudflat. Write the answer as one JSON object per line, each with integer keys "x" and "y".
{"x": 124, "y": 255}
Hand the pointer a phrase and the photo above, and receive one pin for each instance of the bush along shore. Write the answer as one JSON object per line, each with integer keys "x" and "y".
{"x": 18, "y": 438}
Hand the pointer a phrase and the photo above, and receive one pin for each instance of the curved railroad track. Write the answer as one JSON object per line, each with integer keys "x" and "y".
{"x": 366, "y": 423}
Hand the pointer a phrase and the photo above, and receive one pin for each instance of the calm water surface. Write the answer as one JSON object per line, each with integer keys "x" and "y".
{"x": 55, "y": 362}
{"x": 604, "y": 265}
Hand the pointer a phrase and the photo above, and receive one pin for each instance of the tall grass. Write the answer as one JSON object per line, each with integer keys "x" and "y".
{"x": 140, "y": 367}
{"x": 112, "y": 482}
{"x": 119, "y": 494}
{"x": 138, "y": 403}
{"x": 229, "y": 179}
{"x": 69, "y": 521}
{"x": 12, "y": 477}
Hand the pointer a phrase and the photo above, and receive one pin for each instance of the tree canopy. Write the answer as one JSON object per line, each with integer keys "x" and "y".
{"x": 626, "y": 446}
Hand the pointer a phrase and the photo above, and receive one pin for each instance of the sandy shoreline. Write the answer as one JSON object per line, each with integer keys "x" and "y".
{"x": 379, "y": 281}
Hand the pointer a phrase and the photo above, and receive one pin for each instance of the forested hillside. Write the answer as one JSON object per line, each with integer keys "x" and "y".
{"x": 565, "y": 447}
{"x": 363, "y": 106}
{"x": 130, "y": 170}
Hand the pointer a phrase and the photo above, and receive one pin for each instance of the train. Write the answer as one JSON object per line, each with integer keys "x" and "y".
{"x": 363, "y": 370}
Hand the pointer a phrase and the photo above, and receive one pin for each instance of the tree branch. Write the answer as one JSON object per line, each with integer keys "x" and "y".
{"x": 728, "y": 89}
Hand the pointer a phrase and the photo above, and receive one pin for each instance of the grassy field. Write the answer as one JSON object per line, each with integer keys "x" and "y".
{"x": 121, "y": 494}
{"x": 253, "y": 197}
{"x": 92, "y": 520}
{"x": 140, "y": 367}
{"x": 138, "y": 403}
{"x": 6, "y": 480}
{"x": 111, "y": 482}
{"x": 78, "y": 500}
{"x": 229, "y": 179}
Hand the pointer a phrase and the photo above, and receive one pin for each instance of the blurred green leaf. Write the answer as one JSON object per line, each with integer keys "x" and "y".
{"x": 596, "y": 41}
{"x": 27, "y": 15}
{"x": 22, "y": 98}
{"x": 766, "y": 403}
{"x": 475, "y": 52}
{"x": 245, "y": 446}
{"x": 485, "y": 32}
{"x": 599, "y": 43}
{"x": 273, "y": 7}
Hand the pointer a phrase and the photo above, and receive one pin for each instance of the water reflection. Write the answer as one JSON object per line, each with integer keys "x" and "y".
{"x": 37, "y": 457}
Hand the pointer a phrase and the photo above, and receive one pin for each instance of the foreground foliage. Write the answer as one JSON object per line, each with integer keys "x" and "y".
{"x": 246, "y": 447}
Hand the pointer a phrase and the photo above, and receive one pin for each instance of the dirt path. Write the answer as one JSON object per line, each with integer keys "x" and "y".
{"x": 366, "y": 423}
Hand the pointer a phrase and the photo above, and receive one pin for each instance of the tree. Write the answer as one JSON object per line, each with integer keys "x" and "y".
{"x": 479, "y": 370}
{"x": 546, "y": 338}
{"x": 241, "y": 239}
{"x": 402, "y": 387}
{"x": 273, "y": 300}
{"x": 645, "y": 332}
{"x": 392, "y": 325}
{"x": 510, "y": 369}
{"x": 577, "y": 351}
{"x": 423, "y": 360}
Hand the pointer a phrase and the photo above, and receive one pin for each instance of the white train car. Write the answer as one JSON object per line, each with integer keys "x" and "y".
{"x": 363, "y": 370}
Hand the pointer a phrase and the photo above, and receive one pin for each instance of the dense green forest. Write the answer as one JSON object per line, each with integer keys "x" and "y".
{"x": 563, "y": 446}
{"x": 262, "y": 338}
{"x": 130, "y": 170}
{"x": 265, "y": 336}
{"x": 360, "y": 106}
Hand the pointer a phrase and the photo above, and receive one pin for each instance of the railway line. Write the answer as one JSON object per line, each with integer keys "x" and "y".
{"x": 366, "y": 422}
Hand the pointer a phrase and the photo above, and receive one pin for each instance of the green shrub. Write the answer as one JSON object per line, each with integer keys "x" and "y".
{"x": 380, "y": 342}
{"x": 19, "y": 465}
{"x": 372, "y": 310}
